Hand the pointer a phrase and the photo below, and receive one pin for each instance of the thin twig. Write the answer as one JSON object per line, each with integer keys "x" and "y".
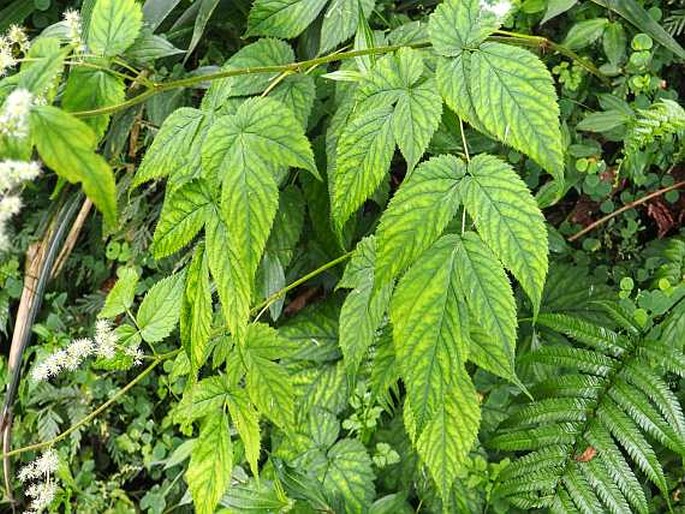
{"x": 625, "y": 208}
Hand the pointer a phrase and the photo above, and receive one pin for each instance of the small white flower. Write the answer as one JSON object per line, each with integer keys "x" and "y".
{"x": 17, "y": 35}
{"x": 40, "y": 372}
{"x": 9, "y": 206}
{"x": 43, "y": 494}
{"x": 7, "y": 60}
{"x": 13, "y": 173}
{"x": 47, "y": 463}
{"x": 500, "y": 8}
{"x": 15, "y": 114}
{"x": 28, "y": 472}
{"x": 77, "y": 351}
{"x": 105, "y": 339}
{"x": 136, "y": 354}
{"x": 73, "y": 21}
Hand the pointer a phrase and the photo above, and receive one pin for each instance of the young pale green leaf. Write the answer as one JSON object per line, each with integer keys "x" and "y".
{"x": 491, "y": 302}
{"x": 175, "y": 147}
{"x": 508, "y": 220}
{"x": 246, "y": 421}
{"x": 458, "y": 25}
{"x": 282, "y": 18}
{"x": 514, "y": 96}
{"x": 183, "y": 215}
{"x": 160, "y": 309}
{"x": 417, "y": 214}
{"x": 363, "y": 157}
{"x": 211, "y": 464}
{"x": 340, "y": 21}
{"x": 114, "y": 26}
{"x": 430, "y": 327}
{"x": 196, "y": 310}
{"x": 67, "y": 146}
{"x": 399, "y": 79}
{"x": 121, "y": 295}
{"x": 363, "y": 309}
{"x": 451, "y": 432}
{"x": 89, "y": 88}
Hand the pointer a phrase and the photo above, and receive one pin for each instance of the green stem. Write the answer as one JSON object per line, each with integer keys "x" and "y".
{"x": 90, "y": 417}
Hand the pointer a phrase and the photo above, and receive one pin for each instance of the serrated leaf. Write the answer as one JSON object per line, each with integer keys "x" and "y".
{"x": 282, "y": 18}
{"x": 364, "y": 152}
{"x": 287, "y": 226}
{"x": 89, "y": 88}
{"x": 206, "y": 398}
{"x": 246, "y": 421}
{"x": 428, "y": 314}
{"x": 453, "y": 76}
{"x": 418, "y": 213}
{"x": 488, "y": 294}
{"x": 174, "y": 147}
{"x": 121, "y": 295}
{"x": 508, "y": 220}
{"x": 160, "y": 309}
{"x": 514, "y": 97}
{"x": 114, "y": 26}
{"x": 349, "y": 475}
{"x": 41, "y": 72}
{"x": 456, "y": 25}
{"x": 363, "y": 309}
{"x": 196, "y": 310}
{"x": 451, "y": 432}
{"x": 183, "y": 215}
{"x": 67, "y": 145}
{"x": 400, "y": 80}
{"x": 297, "y": 93}
{"x": 340, "y": 21}
{"x": 149, "y": 47}
{"x": 211, "y": 464}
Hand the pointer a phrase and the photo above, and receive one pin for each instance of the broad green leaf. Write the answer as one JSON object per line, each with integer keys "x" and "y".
{"x": 297, "y": 93}
{"x": 246, "y": 421}
{"x": 211, "y": 464}
{"x": 67, "y": 146}
{"x": 196, "y": 310}
{"x": 417, "y": 214}
{"x": 508, "y": 220}
{"x": 264, "y": 52}
{"x": 160, "y": 309}
{"x": 287, "y": 226}
{"x": 349, "y": 475}
{"x": 114, "y": 26}
{"x": 175, "y": 146}
{"x": 363, "y": 309}
{"x": 451, "y": 431}
{"x": 400, "y": 80}
{"x": 638, "y": 16}
{"x": 41, "y": 72}
{"x": 183, "y": 215}
{"x": 121, "y": 295}
{"x": 365, "y": 149}
{"x": 340, "y": 21}
{"x": 429, "y": 320}
{"x": 242, "y": 151}
{"x": 271, "y": 279}
{"x": 614, "y": 42}
{"x": 603, "y": 121}
{"x": 458, "y": 25}
{"x": 88, "y": 89}
{"x": 557, "y": 7}
{"x": 514, "y": 96}
{"x": 282, "y": 18}
{"x": 206, "y": 398}
{"x": 584, "y": 33}
{"x": 491, "y": 303}
{"x": 204, "y": 13}
{"x": 150, "y": 47}
{"x": 453, "y": 76}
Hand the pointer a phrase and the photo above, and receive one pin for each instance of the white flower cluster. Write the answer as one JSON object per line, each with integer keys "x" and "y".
{"x": 14, "y": 117}
{"x": 104, "y": 345}
{"x": 12, "y": 175}
{"x": 15, "y": 38}
{"x": 499, "y": 8}
{"x": 72, "y": 19}
{"x": 42, "y": 490}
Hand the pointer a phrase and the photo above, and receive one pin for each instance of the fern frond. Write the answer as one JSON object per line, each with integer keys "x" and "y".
{"x": 594, "y": 423}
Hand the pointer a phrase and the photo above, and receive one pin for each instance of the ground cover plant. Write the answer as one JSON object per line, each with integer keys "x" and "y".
{"x": 342, "y": 256}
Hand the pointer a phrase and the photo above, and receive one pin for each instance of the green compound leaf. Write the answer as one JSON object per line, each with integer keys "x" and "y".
{"x": 161, "y": 308}
{"x": 491, "y": 304}
{"x": 365, "y": 149}
{"x": 121, "y": 296}
{"x": 514, "y": 97}
{"x": 363, "y": 309}
{"x": 243, "y": 151}
{"x": 211, "y": 464}
{"x": 88, "y": 89}
{"x": 451, "y": 432}
{"x": 246, "y": 421}
{"x": 114, "y": 26}
{"x": 340, "y": 21}
{"x": 430, "y": 328}
{"x": 282, "y": 18}
{"x": 183, "y": 215}
{"x": 456, "y": 25}
{"x": 196, "y": 310}
{"x": 508, "y": 220}
{"x": 417, "y": 214}
{"x": 399, "y": 80}
{"x": 174, "y": 148}
{"x": 67, "y": 146}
